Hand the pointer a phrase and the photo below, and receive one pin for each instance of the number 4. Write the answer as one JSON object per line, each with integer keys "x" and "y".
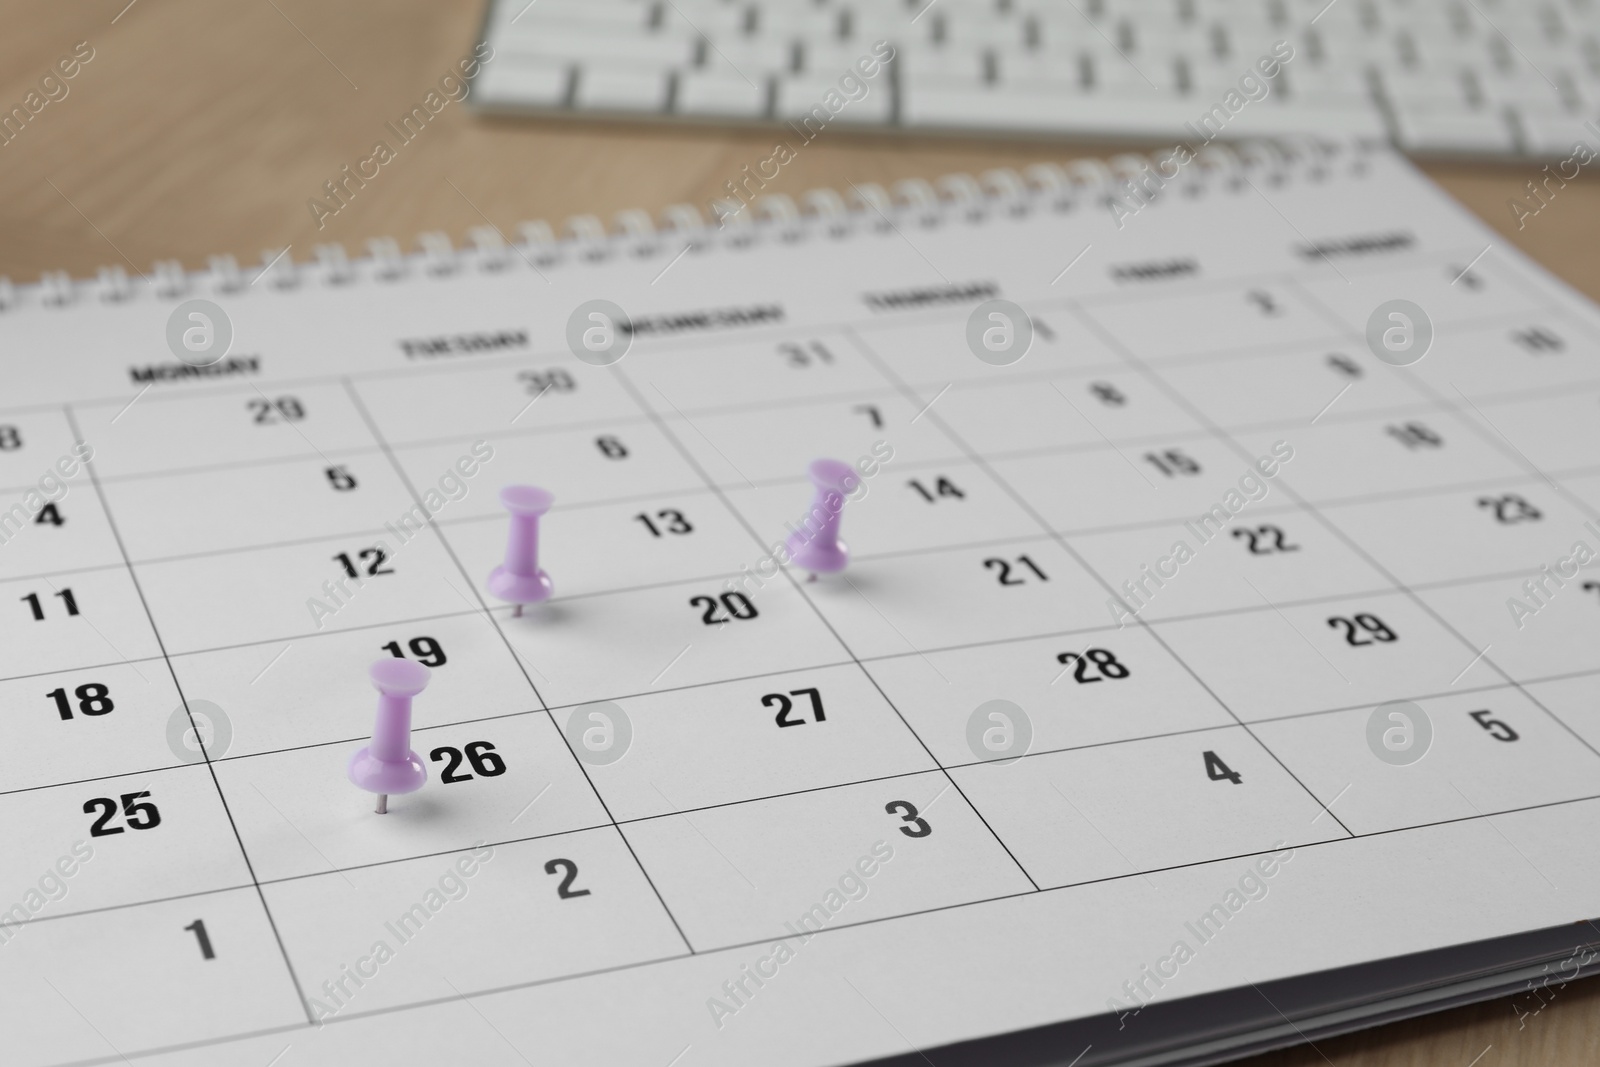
{"x": 1218, "y": 771}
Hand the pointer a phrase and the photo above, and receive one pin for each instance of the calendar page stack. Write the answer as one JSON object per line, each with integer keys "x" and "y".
{"x": 1216, "y": 665}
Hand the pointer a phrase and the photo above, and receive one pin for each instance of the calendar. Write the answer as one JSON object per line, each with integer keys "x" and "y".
{"x": 1215, "y": 664}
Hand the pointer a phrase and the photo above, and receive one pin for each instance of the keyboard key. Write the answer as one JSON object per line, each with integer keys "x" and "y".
{"x": 1453, "y": 131}
{"x": 798, "y": 97}
{"x": 620, "y": 89}
{"x": 716, "y": 94}
{"x": 529, "y": 82}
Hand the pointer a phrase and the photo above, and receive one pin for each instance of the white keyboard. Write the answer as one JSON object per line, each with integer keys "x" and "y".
{"x": 1436, "y": 77}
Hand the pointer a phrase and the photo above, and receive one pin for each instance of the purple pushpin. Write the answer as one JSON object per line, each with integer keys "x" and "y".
{"x": 519, "y": 580}
{"x": 815, "y": 544}
{"x": 388, "y": 765}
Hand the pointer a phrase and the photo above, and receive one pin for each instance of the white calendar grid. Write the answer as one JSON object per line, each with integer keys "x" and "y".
{"x": 675, "y": 838}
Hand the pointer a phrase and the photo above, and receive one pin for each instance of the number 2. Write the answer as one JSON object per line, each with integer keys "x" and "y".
{"x": 565, "y": 890}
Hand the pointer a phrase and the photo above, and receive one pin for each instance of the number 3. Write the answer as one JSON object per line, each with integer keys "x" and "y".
{"x": 908, "y": 814}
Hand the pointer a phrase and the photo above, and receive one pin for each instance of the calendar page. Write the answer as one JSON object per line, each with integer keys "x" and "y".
{"x": 1200, "y": 600}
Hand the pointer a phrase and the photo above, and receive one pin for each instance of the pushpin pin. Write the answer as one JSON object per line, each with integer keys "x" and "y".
{"x": 519, "y": 580}
{"x": 388, "y": 765}
{"x": 815, "y": 545}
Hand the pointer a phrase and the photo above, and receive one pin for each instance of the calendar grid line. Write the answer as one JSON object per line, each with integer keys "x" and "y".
{"x": 745, "y": 945}
{"x": 1424, "y": 403}
{"x": 155, "y": 631}
{"x": 1477, "y": 816}
{"x": 1130, "y": 739}
{"x": 867, "y": 324}
{"x": 377, "y": 434}
{"x": 798, "y": 586}
{"x": 1352, "y": 500}
{"x": 1515, "y": 455}
{"x": 1061, "y": 540}
{"x": 1329, "y": 598}
{"x": 1350, "y": 542}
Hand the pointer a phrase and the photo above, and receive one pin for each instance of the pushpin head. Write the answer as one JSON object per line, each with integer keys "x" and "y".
{"x": 520, "y": 580}
{"x": 399, "y": 677}
{"x": 815, "y": 543}
{"x": 388, "y": 765}
{"x": 526, "y": 499}
{"x": 834, "y": 474}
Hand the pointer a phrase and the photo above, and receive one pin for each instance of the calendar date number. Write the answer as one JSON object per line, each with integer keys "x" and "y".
{"x": 138, "y": 812}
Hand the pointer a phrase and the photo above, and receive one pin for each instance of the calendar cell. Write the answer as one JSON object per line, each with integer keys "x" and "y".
{"x": 1399, "y": 454}
{"x": 31, "y": 442}
{"x": 1490, "y": 751}
{"x": 301, "y": 589}
{"x": 466, "y": 921}
{"x": 764, "y": 870}
{"x": 744, "y": 370}
{"x": 1575, "y": 702}
{"x": 495, "y": 780}
{"x": 1213, "y": 319}
{"x": 1080, "y": 410}
{"x": 1449, "y": 292}
{"x": 1532, "y": 626}
{"x": 1587, "y": 489}
{"x": 930, "y": 354}
{"x": 614, "y": 461}
{"x": 1357, "y": 652}
{"x": 1076, "y": 690}
{"x": 315, "y": 690}
{"x": 1293, "y": 388}
{"x": 720, "y": 744}
{"x": 1118, "y": 809}
{"x": 901, "y": 509}
{"x": 1174, "y": 479}
{"x": 138, "y": 836}
{"x": 340, "y": 494}
{"x": 549, "y": 390}
{"x": 1543, "y": 350}
{"x": 1553, "y": 432}
{"x": 221, "y": 427}
{"x": 66, "y": 533}
{"x": 753, "y": 447}
{"x": 58, "y": 622}
{"x": 915, "y": 603}
{"x": 1501, "y": 528}
{"x": 1254, "y": 559}
{"x": 686, "y": 536}
{"x": 86, "y": 724}
{"x": 105, "y": 985}
{"x": 677, "y": 635}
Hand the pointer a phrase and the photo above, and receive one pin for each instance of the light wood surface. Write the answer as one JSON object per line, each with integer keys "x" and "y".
{"x": 202, "y": 127}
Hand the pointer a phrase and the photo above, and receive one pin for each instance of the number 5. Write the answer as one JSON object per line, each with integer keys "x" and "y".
{"x": 1498, "y": 730}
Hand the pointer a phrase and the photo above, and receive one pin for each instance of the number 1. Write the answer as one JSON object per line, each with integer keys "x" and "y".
{"x": 200, "y": 935}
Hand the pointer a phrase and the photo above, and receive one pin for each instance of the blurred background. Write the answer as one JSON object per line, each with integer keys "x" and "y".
{"x": 204, "y": 128}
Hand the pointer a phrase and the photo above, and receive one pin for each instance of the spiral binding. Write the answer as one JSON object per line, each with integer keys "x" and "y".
{"x": 682, "y": 227}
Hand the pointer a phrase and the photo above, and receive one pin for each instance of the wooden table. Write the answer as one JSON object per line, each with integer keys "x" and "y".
{"x": 200, "y": 128}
